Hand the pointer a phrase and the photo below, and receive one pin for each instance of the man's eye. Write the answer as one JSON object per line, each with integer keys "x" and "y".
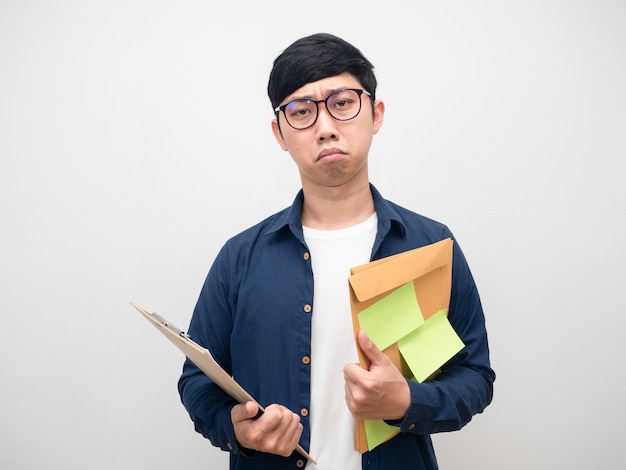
{"x": 343, "y": 104}
{"x": 298, "y": 109}
{"x": 299, "y": 112}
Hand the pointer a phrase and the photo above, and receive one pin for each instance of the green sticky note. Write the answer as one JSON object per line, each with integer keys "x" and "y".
{"x": 392, "y": 317}
{"x": 377, "y": 432}
{"x": 430, "y": 346}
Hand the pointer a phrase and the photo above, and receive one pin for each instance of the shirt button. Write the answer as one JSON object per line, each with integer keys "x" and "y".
{"x": 306, "y": 256}
{"x": 304, "y": 412}
{"x": 306, "y": 359}
{"x": 307, "y": 308}
{"x": 411, "y": 427}
{"x": 300, "y": 463}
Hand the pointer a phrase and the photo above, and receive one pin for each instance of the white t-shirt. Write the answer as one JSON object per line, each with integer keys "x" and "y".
{"x": 333, "y": 253}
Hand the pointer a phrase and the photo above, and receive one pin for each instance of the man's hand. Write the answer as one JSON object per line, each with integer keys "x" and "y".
{"x": 380, "y": 393}
{"x": 276, "y": 431}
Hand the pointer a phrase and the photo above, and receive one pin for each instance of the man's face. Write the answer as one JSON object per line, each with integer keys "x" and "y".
{"x": 330, "y": 153}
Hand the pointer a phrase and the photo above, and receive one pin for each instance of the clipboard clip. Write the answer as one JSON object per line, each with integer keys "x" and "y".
{"x": 170, "y": 326}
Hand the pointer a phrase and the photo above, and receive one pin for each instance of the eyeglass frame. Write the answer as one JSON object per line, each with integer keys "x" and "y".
{"x": 358, "y": 91}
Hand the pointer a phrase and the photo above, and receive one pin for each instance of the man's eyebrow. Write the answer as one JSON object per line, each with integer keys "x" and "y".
{"x": 327, "y": 93}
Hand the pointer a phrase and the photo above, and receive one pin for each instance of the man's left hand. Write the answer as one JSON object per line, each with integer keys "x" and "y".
{"x": 379, "y": 393}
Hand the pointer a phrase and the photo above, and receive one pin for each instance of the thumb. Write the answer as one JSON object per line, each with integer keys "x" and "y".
{"x": 370, "y": 349}
{"x": 244, "y": 411}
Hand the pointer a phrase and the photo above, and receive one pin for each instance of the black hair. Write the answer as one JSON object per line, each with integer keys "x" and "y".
{"x": 313, "y": 58}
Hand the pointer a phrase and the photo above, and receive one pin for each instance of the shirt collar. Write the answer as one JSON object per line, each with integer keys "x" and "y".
{"x": 389, "y": 218}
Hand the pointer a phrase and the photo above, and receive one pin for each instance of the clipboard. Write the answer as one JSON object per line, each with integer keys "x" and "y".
{"x": 203, "y": 359}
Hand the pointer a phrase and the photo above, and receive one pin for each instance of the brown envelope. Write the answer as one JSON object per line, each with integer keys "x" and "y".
{"x": 430, "y": 268}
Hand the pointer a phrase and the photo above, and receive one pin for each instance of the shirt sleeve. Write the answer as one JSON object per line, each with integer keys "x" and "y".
{"x": 464, "y": 386}
{"x": 208, "y": 406}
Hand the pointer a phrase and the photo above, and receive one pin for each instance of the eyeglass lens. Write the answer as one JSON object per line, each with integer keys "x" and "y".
{"x": 343, "y": 105}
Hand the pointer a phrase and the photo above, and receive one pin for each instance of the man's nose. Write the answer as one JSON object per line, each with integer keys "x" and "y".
{"x": 326, "y": 124}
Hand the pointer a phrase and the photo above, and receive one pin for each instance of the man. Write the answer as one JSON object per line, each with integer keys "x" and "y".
{"x": 275, "y": 310}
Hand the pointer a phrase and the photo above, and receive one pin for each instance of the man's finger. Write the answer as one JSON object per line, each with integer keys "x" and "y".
{"x": 369, "y": 348}
{"x": 245, "y": 411}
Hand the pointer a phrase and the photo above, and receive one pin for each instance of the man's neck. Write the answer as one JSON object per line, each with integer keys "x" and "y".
{"x": 333, "y": 208}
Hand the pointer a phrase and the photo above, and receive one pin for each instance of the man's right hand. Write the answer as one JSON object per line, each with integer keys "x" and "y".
{"x": 276, "y": 431}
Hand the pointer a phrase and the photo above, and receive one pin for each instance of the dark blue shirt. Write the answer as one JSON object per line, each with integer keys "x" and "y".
{"x": 254, "y": 315}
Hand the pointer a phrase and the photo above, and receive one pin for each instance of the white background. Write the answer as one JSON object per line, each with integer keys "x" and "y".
{"x": 135, "y": 139}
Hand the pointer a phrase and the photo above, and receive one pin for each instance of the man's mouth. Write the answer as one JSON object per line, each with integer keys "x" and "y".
{"x": 330, "y": 154}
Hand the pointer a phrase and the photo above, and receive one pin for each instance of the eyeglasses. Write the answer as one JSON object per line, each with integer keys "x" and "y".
{"x": 342, "y": 105}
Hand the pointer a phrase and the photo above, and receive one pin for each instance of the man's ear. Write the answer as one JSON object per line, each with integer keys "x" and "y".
{"x": 379, "y": 115}
{"x": 278, "y": 134}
